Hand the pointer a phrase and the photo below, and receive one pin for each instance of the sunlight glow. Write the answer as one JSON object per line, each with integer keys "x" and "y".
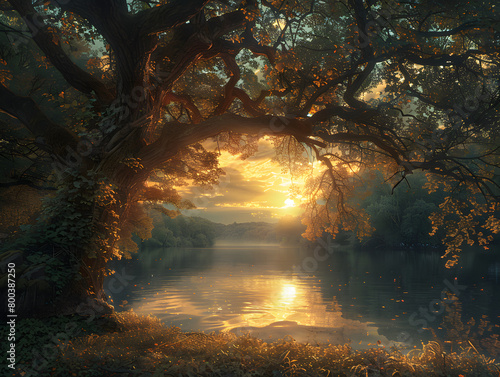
{"x": 257, "y": 186}
{"x": 280, "y": 24}
{"x": 269, "y": 307}
{"x": 353, "y": 169}
{"x": 288, "y": 293}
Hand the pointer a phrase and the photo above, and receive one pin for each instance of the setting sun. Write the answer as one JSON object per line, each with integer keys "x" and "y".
{"x": 289, "y": 203}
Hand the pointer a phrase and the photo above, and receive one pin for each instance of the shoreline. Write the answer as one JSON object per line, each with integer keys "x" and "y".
{"x": 126, "y": 344}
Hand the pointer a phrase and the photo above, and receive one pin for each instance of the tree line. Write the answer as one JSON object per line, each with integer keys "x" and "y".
{"x": 401, "y": 218}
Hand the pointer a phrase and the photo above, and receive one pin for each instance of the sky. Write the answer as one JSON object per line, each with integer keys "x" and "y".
{"x": 254, "y": 189}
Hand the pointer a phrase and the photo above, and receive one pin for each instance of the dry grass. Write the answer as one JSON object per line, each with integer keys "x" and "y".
{"x": 143, "y": 347}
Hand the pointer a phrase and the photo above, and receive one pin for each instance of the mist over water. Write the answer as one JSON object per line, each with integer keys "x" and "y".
{"x": 361, "y": 297}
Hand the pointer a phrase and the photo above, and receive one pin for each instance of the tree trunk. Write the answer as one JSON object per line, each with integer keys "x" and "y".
{"x": 86, "y": 218}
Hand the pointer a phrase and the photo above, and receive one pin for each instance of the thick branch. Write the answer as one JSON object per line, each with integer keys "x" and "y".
{"x": 447, "y": 33}
{"x": 50, "y": 136}
{"x": 190, "y": 43}
{"x": 176, "y": 136}
{"x": 348, "y": 136}
{"x": 444, "y": 60}
{"x": 349, "y": 95}
{"x": 117, "y": 26}
{"x": 234, "y": 72}
{"x": 250, "y": 106}
{"x": 187, "y": 102}
{"x": 48, "y": 41}
{"x": 358, "y": 116}
{"x": 253, "y": 45}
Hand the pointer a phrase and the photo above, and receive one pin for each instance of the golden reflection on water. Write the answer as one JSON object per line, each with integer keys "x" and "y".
{"x": 266, "y": 306}
{"x": 286, "y": 300}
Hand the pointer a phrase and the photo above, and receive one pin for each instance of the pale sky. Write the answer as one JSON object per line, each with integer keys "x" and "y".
{"x": 254, "y": 189}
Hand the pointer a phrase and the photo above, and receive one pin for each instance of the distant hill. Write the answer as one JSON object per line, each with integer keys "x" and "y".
{"x": 287, "y": 231}
{"x": 184, "y": 231}
{"x": 260, "y": 232}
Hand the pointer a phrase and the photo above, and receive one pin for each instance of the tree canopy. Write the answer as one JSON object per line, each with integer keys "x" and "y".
{"x": 111, "y": 104}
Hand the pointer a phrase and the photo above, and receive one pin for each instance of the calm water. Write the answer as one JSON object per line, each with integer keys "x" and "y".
{"x": 336, "y": 296}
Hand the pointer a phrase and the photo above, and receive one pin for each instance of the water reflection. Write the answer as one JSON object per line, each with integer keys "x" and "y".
{"x": 364, "y": 298}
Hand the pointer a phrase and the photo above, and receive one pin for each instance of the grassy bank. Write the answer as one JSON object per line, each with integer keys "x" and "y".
{"x": 126, "y": 344}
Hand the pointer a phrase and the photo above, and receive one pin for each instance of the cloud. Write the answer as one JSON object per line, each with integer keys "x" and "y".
{"x": 254, "y": 189}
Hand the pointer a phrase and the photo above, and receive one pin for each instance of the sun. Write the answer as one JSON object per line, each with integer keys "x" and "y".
{"x": 289, "y": 203}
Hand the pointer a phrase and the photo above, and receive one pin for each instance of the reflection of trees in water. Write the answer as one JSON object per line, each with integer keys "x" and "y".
{"x": 160, "y": 258}
{"x": 387, "y": 287}
{"x": 148, "y": 264}
{"x": 153, "y": 259}
{"x": 478, "y": 333}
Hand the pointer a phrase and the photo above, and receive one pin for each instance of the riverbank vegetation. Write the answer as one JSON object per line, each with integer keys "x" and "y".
{"x": 125, "y": 344}
{"x": 402, "y": 218}
{"x": 180, "y": 231}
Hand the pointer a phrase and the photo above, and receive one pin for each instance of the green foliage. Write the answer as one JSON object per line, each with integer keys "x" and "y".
{"x": 55, "y": 270}
{"x": 412, "y": 214}
{"x": 65, "y": 218}
{"x": 67, "y": 231}
{"x": 400, "y": 216}
{"x": 415, "y": 223}
{"x": 180, "y": 231}
{"x": 385, "y": 216}
{"x": 68, "y": 219}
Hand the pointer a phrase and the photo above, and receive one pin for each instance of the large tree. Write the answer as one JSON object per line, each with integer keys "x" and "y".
{"x": 137, "y": 87}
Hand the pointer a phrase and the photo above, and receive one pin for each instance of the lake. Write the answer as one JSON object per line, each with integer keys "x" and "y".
{"x": 326, "y": 294}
